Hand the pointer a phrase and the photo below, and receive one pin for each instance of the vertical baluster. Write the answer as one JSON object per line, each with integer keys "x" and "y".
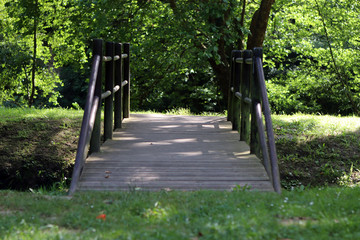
{"x": 231, "y": 96}
{"x": 127, "y": 78}
{"x": 96, "y": 134}
{"x": 109, "y": 86}
{"x": 237, "y": 102}
{"x": 255, "y": 147}
{"x": 245, "y": 91}
{"x": 118, "y": 110}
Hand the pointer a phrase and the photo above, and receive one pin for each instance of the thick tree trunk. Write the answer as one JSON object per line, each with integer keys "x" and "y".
{"x": 259, "y": 24}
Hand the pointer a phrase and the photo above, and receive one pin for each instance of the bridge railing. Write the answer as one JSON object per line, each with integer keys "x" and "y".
{"x": 116, "y": 100}
{"x": 248, "y": 103}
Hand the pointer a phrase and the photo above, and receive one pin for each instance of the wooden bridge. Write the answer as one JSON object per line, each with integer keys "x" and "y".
{"x": 154, "y": 151}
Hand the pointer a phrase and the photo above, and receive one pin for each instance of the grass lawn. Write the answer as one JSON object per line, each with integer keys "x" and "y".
{"x": 319, "y": 213}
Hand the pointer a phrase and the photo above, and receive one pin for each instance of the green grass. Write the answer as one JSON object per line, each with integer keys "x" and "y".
{"x": 316, "y": 125}
{"x": 318, "y": 150}
{"x": 182, "y": 111}
{"x": 19, "y": 114}
{"x": 325, "y": 213}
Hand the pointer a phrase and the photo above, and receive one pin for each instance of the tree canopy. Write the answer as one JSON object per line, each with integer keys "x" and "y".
{"x": 181, "y": 49}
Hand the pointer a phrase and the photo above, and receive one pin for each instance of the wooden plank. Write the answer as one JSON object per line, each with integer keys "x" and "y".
{"x": 199, "y": 171}
{"x": 110, "y": 177}
{"x": 260, "y": 185}
{"x": 175, "y": 169}
{"x": 165, "y": 176}
{"x": 171, "y": 164}
{"x": 185, "y": 189}
{"x": 165, "y": 173}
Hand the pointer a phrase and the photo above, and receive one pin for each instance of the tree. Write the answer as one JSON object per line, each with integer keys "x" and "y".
{"x": 217, "y": 27}
{"x": 33, "y": 27}
{"x": 312, "y": 55}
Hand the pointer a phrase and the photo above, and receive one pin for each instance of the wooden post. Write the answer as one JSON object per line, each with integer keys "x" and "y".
{"x": 109, "y": 86}
{"x": 127, "y": 78}
{"x": 118, "y": 109}
{"x": 96, "y": 134}
{"x": 231, "y": 85}
{"x": 237, "y": 101}
{"x": 245, "y": 91}
{"x": 255, "y": 147}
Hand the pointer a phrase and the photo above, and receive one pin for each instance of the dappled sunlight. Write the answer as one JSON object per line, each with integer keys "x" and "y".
{"x": 329, "y": 125}
{"x": 208, "y": 126}
{"x": 170, "y": 126}
{"x": 188, "y": 154}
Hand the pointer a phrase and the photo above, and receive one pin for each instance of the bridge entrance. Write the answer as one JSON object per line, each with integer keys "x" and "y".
{"x": 154, "y": 152}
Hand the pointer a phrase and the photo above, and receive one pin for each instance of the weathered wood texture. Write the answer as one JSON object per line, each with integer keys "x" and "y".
{"x": 154, "y": 152}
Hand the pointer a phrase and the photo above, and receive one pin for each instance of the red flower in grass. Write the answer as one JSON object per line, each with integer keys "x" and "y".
{"x": 102, "y": 217}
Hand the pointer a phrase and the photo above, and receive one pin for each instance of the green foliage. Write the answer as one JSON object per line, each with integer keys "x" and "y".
{"x": 312, "y": 54}
{"x": 180, "y": 51}
{"x": 55, "y": 46}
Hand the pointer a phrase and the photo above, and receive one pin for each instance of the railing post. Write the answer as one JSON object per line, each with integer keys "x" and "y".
{"x": 92, "y": 102}
{"x": 231, "y": 96}
{"x": 268, "y": 122}
{"x": 255, "y": 147}
{"x": 236, "y": 81}
{"x": 118, "y": 106}
{"x": 109, "y": 86}
{"x": 245, "y": 91}
{"x": 96, "y": 134}
{"x": 127, "y": 78}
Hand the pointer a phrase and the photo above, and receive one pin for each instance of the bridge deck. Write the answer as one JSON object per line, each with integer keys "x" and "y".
{"x": 156, "y": 152}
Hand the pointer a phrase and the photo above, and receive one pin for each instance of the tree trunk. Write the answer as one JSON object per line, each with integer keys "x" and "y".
{"x": 259, "y": 24}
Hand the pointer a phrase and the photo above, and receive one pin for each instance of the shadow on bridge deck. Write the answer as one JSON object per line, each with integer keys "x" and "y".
{"x": 154, "y": 152}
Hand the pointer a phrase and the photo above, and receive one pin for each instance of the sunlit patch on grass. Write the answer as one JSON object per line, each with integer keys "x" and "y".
{"x": 350, "y": 179}
{"x": 298, "y": 221}
{"x": 156, "y": 213}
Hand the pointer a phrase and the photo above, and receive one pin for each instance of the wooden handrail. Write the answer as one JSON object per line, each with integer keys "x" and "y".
{"x": 116, "y": 97}
{"x": 248, "y": 97}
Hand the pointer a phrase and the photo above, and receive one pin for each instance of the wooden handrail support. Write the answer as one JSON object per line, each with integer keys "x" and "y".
{"x": 248, "y": 102}
{"x": 116, "y": 101}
